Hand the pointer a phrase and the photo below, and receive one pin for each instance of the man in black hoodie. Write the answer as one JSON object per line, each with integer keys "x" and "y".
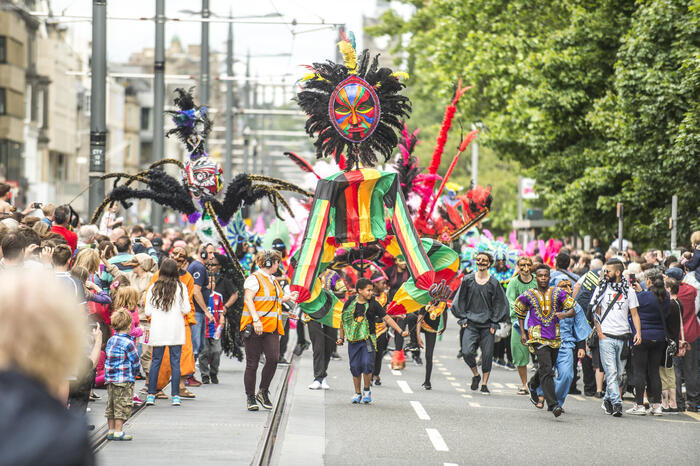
{"x": 479, "y": 306}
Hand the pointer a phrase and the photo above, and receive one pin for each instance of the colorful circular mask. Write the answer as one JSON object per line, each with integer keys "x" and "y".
{"x": 354, "y": 109}
{"x": 203, "y": 177}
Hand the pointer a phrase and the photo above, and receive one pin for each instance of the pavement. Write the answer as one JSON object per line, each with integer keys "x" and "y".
{"x": 213, "y": 428}
{"x": 404, "y": 425}
{"x": 450, "y": 424}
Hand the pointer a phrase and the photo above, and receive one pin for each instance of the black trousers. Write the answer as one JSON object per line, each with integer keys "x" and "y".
{"x": 284, "y": 340}
{"x": 382, "y": 342}
{"x": 430, "y": 339}
{"x": 646, "y": 360}
{"x": 409, "y": 322}
{"x": 301, "y": 338}
{"x": 544, "y": 376}
{"x": 481, "y": 337}
{"x": 501, "y": 350}
{"x": 323, "y": 340}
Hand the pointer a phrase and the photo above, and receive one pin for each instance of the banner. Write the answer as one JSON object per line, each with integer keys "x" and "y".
{"x": 527, "y": 188}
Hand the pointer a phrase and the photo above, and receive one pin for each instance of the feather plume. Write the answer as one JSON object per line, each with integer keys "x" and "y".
{"x": 349, "y": 55}
{"x": 302, "y": 163}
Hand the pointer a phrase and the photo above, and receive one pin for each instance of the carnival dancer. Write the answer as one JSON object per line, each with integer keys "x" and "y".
{"x": 479, "y": 306}
{"x": 574, "y": 333}
{"x": 380, "y": 284}
{"x": 432, "y": 321}
{"x": 360, "y": 315}
{"x": 543, "y": 307}
{"x": 261, "y": 326}
{"x": 519, "y": 284}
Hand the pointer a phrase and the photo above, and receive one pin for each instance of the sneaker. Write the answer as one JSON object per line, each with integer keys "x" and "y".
{"x": 137, "y": 401}
{"x": 377, "y": 381}
{"x": 205, "y": 380}
{"x": 484, "y": 390}
{"x": 670, "y": 410}
{"x": 637, "y": 410}
{"x": 335, "y": 356}
{"x": 356, "y": 398}
{"x": 499, "y": 363}
{"x": 367, "y": 397}
{"x": 121, "y": 436}
{"x": 252, "y": 403}
{"x": 110, "y": 435}
{"x": 557, "y": 411}
{"x": 589, "y": 393}
{"x": 192, "y": 381}
{"x": 657, "y": 410}
{"x": 599, "y": 394}
{"x": 282, "y": 361}
{"x": 510, "y": 366}
{"x": 574, "y": 391}
{"x": 534, "y": 398}
{"x": 607, "y": 407}
{"x": 475, "y": 382}
{"x": 427, "y": 386}
{"x": 459, "y": 354}
{"x": 150, "y": 400}
{"x": 417, "y": 359}
{"x": 324, "y": 384}
{"x": 315, "y": 385}
{"x": 176, "y": 400}
{"x": 617, "y": 410}
{"x": 214, "y": 379}
{"x": 263, "y": 397}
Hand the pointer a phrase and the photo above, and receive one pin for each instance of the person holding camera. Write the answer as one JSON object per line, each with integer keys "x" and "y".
{"x": 261, "y": 326}
{"x": 648, "y": 356}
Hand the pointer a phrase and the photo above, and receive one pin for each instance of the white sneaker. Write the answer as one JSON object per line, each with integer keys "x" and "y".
{"x": 324, "y": 384}
{"x": 637, "y": 409}
{"x": 315, "y": 385}
{"x": 656, "y": 411}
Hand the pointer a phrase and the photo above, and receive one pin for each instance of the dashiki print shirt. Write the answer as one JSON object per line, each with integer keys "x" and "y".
{"x": 539, "y": 313}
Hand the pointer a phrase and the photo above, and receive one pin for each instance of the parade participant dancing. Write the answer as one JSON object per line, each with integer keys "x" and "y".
{"x": 432, "y": 321}
{"x": 479, "y": 306}
{"x": 543, "y": 307}
{"x": 518, "y": 285}
{"x": 261, "y": 326}
{"x": 360, "y": 316}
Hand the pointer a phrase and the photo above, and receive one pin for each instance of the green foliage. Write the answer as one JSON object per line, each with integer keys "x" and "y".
{"x": 597, "y": 99}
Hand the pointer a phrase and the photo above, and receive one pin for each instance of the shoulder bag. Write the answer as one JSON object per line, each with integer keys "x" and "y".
{"x": 593, "y": 338}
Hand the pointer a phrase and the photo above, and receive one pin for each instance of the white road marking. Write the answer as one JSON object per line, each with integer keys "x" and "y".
{"x": 395, "y": 372}
{"x": 497, "y": 385}
{"x": 403, "y": 385}
{"x": 577, "y": 397}
{"x": 461, "y": 389}
{"x": 474, "y": 404}
{"x": 450, "y": 378}
{"x": 420, "y": 411}
{"x": 450, "y": 464}
{"x": 512, "y": 385}
{"x": 497, "y": 391}
{"x": 456, "y": 384}
{"x": 437, "y": 440}
{"x": 466, "y": 396}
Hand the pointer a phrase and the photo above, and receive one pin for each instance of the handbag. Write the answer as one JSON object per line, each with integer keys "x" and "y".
{"x": 683, "y": 345}
{"x": 671, "y": 345}
{"x": 592, "y": 341}
{"x": 503, "y": 330}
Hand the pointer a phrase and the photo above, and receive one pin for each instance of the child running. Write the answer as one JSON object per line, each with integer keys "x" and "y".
{"x": 361, "y": 313}
{"x": 121, "y": 363}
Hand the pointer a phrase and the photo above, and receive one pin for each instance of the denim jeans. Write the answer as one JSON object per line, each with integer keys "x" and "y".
{"x": 158, "y": 351}
{"x": 198, "y": 334}
{"x": 610, "y": 351}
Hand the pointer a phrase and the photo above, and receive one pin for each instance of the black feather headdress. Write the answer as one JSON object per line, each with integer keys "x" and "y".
{"x": 322, "y": 92}
{"x": 192, "y": 123}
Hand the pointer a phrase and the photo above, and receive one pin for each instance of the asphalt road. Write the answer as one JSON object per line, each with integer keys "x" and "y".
{"x": 453, "y": 425}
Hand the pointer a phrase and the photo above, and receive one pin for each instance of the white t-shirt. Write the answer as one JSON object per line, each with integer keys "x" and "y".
{"x": 616, "y": 322}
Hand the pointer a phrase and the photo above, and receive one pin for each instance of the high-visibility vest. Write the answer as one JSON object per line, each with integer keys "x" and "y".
{"x": 268, "y": 305}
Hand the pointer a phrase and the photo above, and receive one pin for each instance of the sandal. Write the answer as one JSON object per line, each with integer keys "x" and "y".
{"x": 185, "y": 393}
{"x": 161, "y": 396}
{"x": 522, "y": 391}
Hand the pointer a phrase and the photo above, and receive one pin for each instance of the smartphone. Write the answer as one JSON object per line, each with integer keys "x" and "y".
{"x": 632, "y": 278}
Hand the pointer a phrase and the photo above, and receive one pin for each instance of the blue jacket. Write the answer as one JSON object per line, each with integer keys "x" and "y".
{"x": 652, "y": 327}
{"x": 574, "y": 329}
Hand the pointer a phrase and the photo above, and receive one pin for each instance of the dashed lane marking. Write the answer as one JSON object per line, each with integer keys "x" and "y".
{"x": 395, "y": 372}
{"x": 450, "y": 378}
{"x": 466, "y": 396}
{"x": 577, "y": 397}
{"x": 474, "y": 404}
{"x": 437, "y": 440}
{"x": 461, "y": 389}
{"x": 495, "y": 390}
{"x": 456, "y": 384}
{"x": 450, "y": 464}
{"x": 512, "y": 385}
{"x": 420, "y": 411}
{"x": 497, "y": 385}
{"x": 403, "y": 385}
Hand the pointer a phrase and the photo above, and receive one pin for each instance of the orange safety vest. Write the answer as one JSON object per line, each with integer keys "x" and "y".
{"x": 268, "y": 305}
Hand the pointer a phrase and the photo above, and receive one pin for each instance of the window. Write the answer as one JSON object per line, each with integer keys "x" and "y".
{"x": 3, "y": 49}
{"x": 11, "y": 153}
{"x": 3, "y": 101}
{"x": 145, "y": 118}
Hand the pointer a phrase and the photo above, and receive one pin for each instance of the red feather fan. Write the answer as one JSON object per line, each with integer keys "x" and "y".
{"x": 301, "y": 163}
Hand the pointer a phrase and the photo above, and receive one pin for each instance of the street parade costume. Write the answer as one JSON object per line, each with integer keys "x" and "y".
{"x": 539, "y": 313}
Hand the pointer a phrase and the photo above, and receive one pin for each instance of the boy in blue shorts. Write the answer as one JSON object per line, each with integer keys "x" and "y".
{"x": 361, "y": 313}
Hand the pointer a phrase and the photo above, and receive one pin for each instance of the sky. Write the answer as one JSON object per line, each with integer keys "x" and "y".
{"x": 126, "y": 37}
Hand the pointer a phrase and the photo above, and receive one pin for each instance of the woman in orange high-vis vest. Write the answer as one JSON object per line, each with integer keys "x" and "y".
{"x": 262, "y": 326}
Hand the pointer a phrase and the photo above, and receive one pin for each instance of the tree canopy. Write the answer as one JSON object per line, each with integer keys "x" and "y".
{"x": 599, "y": 100}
